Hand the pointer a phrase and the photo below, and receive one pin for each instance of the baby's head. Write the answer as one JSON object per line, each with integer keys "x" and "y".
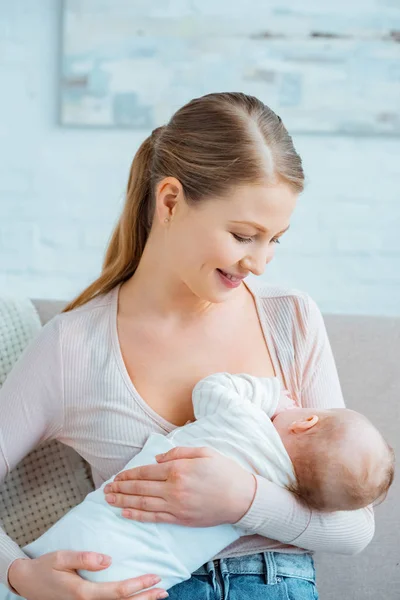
{"x": 340, "y": 459}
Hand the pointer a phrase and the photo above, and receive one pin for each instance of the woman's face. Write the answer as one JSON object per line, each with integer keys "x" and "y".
{"x": 213, "y": 246}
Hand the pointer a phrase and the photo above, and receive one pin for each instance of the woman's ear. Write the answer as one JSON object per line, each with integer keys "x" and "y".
{"x": 304, "y": 424}
{"x": 168, "y": 193}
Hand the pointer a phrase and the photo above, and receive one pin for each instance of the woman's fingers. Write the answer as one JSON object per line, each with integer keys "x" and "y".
{"x": 146, "y": 503}
{"x": 70, "y": 560}
{"x": 123, "y": 589}
{"x": 181, "y": 452}
{"x": 154, "y": 594}
{"x": 137, "y": 488}
{"x": 151, "y": 517}
{"x": 149, "y": 472}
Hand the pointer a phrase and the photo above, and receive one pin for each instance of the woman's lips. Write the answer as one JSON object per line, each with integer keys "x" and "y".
{"x": 227, "y": 281}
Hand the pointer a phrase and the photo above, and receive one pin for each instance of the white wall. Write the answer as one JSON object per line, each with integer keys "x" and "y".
{"x": 61, "y": 190}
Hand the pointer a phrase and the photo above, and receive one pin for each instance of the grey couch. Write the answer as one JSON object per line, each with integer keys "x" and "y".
{"x": 367, "y": 353}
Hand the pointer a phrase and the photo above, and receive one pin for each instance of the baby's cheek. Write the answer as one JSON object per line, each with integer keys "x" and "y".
{"x": 281, "y": 410}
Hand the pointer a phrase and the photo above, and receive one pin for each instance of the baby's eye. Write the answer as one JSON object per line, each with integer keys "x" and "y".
{"x": 275, "y": 241}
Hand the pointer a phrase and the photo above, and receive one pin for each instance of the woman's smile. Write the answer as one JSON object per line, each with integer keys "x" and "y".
{"x": 228, "y": 280}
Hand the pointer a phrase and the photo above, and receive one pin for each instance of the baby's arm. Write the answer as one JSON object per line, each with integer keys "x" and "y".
{"x": 225, "y": 392}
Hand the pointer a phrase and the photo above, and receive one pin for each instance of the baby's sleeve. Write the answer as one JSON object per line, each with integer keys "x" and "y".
{"x": 225, "y": 392}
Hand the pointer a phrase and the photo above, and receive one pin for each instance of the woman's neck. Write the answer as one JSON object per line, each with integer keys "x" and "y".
{"x": 153, "y": 291}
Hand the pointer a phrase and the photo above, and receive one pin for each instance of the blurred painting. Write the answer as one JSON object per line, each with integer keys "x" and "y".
{"x": 322, "y": 68}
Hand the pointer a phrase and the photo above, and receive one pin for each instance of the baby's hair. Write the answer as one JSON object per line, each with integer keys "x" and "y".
{"x": 388, "y": 478}
{"x": 314, "y": 469}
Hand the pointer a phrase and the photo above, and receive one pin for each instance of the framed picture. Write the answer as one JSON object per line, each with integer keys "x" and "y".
{"x": 323, "y": 69}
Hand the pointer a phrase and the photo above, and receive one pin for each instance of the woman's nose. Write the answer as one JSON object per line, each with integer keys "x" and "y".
{"x": 257, "y": 262}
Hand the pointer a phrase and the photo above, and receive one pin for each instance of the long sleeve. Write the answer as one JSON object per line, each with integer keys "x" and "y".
{"x": 316, "y": 369}
{"x": 31, "y": 409}
{"x": 275, "y": 512}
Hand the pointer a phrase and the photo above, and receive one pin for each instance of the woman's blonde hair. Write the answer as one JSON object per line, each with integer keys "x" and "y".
{"x": 210, "y": 145}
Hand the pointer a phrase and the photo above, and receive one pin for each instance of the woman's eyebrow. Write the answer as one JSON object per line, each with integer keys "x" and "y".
{"x": 259, "y": 227}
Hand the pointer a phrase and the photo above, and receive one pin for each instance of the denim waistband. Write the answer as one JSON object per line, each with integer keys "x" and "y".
{"x": 271, "y": 564}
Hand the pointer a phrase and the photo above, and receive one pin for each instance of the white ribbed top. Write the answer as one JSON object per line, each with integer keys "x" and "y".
{"x": 71, "y": 384}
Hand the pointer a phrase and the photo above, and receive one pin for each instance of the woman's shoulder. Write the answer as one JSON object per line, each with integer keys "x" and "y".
{"x": 92, "y": 316}
{"x": 284, "y": 303}
{"x": 98, "y": 305}
{"x": 279, "y": 294}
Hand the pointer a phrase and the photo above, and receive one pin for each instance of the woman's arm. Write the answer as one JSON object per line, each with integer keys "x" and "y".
{"x": 275, "y": 512}
{"x": 31, "y": 409}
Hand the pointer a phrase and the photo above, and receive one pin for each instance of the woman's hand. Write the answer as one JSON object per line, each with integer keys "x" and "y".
{"x": 196, "y": 487}
{"x": 54, "y": 575}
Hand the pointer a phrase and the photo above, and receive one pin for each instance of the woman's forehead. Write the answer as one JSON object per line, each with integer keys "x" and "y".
{"x": 259, "y": 205}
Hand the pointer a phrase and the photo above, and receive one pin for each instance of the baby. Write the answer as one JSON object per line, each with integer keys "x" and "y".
{"x": 340, "y": 459}
{"x": 332, "y": 459}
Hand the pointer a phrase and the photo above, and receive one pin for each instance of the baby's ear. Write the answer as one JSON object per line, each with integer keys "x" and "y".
{"x": 304, "y": 424}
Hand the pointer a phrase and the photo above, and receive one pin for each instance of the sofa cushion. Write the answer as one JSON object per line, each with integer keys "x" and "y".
{"x": 41, "y": 489}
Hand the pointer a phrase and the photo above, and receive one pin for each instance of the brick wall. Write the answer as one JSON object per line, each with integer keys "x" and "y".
{"x": 61, "y": 190}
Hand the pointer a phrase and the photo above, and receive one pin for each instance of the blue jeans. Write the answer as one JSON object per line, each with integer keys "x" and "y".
{"x": 262, "y": 576}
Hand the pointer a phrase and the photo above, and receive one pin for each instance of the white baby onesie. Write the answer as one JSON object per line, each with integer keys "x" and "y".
{"x": 232, "y": 416}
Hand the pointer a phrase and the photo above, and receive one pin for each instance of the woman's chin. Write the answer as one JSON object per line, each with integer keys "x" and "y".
{"x": 214, "y": 297}
{"x": 211, "y": 294}
{"x": 212, "y": 290}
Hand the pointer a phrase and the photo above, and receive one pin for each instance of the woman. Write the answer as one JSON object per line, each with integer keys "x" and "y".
{"x": 209, "y": 197}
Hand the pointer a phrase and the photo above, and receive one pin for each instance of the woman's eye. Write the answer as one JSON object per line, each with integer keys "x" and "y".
{"x": 243, "y": 240}
{"x": 247, "y": 240}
